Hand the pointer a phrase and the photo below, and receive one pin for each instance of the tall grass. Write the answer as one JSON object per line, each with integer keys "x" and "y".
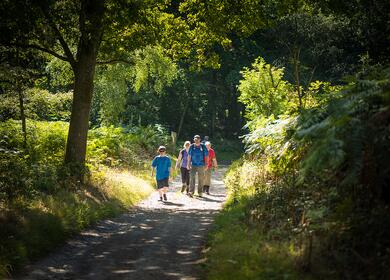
{"x": 240, "y": 251}
{"x": 41, "y": 205}
{"x": 240, "y": 248}
{"x": 31, "y": 228}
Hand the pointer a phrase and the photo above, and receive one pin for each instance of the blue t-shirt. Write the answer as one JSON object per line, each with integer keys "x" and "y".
{"x": 197, "y": 154}
{"x": 162, "y": 165}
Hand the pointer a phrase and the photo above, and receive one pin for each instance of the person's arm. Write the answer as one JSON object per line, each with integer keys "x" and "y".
{"x": 206, "y": 159}
{"x": 169, "y": 169}
{"x": 215, "y": 163}
{"x": 189, "y": 162}
{"x": 153, "y": 166}
{"x": 179, "y": 158}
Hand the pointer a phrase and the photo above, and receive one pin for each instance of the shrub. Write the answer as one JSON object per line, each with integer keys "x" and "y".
{"x": 117, "y": 146}
{"x": 43, "y": 105}
{"x": 41, "y": 204}
{"x": 317, "y": 181}
{"x": 9, "y": 106}
{"x": 38, "y": 104}
{"x": 37, "y": 167}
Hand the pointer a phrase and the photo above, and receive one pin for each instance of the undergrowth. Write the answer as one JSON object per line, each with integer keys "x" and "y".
{"x": 42, "y": 205}
{"x": 32, "y": 228}
{"x": 239, "y": 250}
{"x": 313, "y": 189}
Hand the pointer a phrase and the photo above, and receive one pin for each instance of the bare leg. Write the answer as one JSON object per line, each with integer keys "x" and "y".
{"x": 161, "y": 192}
{"x": 165, "y": 190}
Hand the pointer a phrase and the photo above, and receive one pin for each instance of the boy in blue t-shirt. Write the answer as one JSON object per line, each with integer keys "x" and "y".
{"x": 162, "y": 164}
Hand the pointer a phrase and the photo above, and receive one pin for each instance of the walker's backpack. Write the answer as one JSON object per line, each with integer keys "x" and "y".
{"x": 182, "y": 152}
{"x": 202, "y": 148}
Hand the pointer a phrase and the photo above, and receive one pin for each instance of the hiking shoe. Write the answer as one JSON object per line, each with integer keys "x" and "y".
{"x": 165, "y": 197}
{"x": 190, "y": 194}
{"x": 161, "y": 199}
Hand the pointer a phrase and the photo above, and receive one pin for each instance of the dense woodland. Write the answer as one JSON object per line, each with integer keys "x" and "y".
{"x": 295, "y": 92}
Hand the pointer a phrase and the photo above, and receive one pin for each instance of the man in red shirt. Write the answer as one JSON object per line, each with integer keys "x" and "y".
{"x": 212, "y": 162}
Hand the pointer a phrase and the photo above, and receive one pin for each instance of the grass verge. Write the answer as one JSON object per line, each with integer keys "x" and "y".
{"x": 30, "y": 229}
{"x": 238, "y": 250}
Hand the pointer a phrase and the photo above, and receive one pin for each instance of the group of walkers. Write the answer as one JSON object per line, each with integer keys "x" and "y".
{"x": 196, "y": 159}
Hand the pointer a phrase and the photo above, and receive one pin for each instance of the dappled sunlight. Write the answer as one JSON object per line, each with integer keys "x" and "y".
{"x": 123, "y": 271}
{"x": 155, "y": 240}
{"x": 184, "y": 252}
{"x": 126, "y": 186}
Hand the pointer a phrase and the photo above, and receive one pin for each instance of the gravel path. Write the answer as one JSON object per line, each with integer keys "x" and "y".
{"x": 154, "y": 240}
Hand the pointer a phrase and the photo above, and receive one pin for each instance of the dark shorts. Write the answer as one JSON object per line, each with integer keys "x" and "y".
{"x": 162, "y": 183}
{"x": 185, "y": 176}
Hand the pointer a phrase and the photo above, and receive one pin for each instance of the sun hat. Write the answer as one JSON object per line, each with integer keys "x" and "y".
{"x": 197, "y": 136}
{"x": 162, "y": 149}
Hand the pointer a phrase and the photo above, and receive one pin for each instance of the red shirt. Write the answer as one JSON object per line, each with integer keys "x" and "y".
{"x": 211, "y": 157}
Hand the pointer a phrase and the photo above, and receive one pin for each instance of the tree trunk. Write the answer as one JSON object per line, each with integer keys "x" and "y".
{"x": 79, "y": 121}
{"x": 22, "y": 117}
{"x": 297, "y": 75}
{"x": 183, "y": 114}
{"x": 234, "y": 124}
{"x": 212, "y": 104}
{"x": 91, "y": 27}
{"x": 213, "y": 120}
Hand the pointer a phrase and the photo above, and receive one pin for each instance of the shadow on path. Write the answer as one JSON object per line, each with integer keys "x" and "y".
{"x": 173, "y": 204}
{"x": 155, "y": 240}
{"x": 204, "y": 198}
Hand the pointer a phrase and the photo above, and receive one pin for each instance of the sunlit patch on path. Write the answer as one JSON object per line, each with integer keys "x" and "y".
{"x": 155, "y": 240}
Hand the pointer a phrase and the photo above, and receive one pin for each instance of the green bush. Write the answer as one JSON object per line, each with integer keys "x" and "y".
{"x": 43, "y": 105}
{"x": 317, "y": 182}
{"x": 116, "y": 146}
{"x": 41, "y": 204}
{"x": 13, "y": 176}
{"x": 9, "y": 106}
{"x": 38, "y": 104}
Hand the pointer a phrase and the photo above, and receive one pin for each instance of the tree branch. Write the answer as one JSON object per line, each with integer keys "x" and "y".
{"x": 6, "y": 81}
{"x": 63, "y": 43}
{"x": 311, "y": 76}
{"x": 113, "y": 61}
{"x": 43, "y": 49}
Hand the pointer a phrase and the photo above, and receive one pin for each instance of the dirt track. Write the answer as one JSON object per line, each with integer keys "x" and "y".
{"x": 154, "y": 240}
